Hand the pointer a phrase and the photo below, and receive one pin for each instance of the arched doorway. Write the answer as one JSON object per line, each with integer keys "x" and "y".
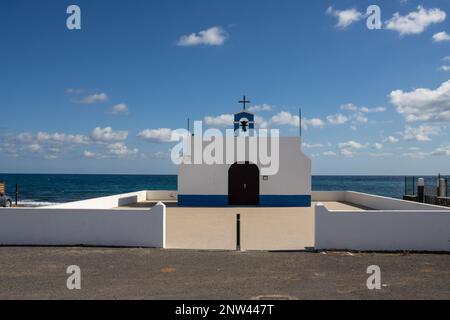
{"x": 243, "y": 184}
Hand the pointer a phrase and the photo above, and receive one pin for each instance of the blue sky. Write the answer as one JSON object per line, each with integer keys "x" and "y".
{"x": 103, "y": 99}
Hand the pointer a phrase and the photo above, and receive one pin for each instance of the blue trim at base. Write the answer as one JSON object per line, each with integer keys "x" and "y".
{"x": 284, "y": 201}
{"x": 185, "y": 200}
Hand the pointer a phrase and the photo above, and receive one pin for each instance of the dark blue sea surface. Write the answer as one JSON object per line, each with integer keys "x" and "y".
{"x": 41, "y": 189}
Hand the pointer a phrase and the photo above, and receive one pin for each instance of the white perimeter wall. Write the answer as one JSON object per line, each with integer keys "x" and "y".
{"x": 372, "y": 201}
{"x": 293, "y": 177}
{"x": 95, "y": 227}
{"x": 104, "y": 202}
{"x": 395, "y": 225}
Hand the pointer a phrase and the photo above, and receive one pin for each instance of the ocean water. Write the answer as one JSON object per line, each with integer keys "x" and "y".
{"x": 44, "y": 189}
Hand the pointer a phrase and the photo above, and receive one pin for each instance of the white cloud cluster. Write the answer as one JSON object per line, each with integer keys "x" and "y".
{"x": 441, "y": 36}
{"x": 392, "y": 140}
{"x": 52, "y": 138}
{"x": 224, "y": 120}
{"x": 286, "y": 118}
{"x": 120, "y": 108}
{"x": 354, "y": 108}
{"x": 345, "y": 17}
{"x": 443, "y": 150}
{"x": 337, "y": 119}
{"x": 311, "y": 146}
{"x": 119, "y": 149}
{"x": 420, "y": 133}
{"x": 159, "y": 135}
{"x": 348, "y": 148}
{"x": 107, "y": 134}
{"x": 260, "y": 108}
{"x": 415, "y": 22}
{"x": 95, "y": 98}
{"x": 215, "y": 36}
{"x": 423, "y": 104}
{"x": 110, "y": 144}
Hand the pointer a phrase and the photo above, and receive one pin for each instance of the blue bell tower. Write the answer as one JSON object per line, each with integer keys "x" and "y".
{"x": 244, "y": 121}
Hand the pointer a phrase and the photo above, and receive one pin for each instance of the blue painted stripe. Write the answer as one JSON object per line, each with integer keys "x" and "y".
{"x": 285, "y": 200}
{"x": 185, "y": 200}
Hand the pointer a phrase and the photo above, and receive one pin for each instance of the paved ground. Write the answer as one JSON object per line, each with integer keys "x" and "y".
{"x": 108, "y": 273}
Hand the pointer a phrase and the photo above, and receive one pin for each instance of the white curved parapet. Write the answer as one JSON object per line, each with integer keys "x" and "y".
{"x": 392, "y": 225}
{"x": 75, "y": 226}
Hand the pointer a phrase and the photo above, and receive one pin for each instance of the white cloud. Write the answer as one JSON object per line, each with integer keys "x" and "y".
{"x": 360, "y": 118}
{"x": 415, "y": 22}
{"x": 310, "y": 146}
{"x": 345, "y": 17}
{"x": 89, "y": 155}
{"x": 347, "y": 152}
{"x": 52, "y": 138}
{"x": 214, "y": 36}
{"x": 355, "y": 108}
{"x": 260, "y": 122}
{"x": 421, "y": 133}
{"x": 392, "y": 140}
{"x": 337, "y": 119}
{"x": 373, "y": 110}
{"x": 329, "y": 154}
{"x": 415, "y": 155}
{"x": 378, "y": 145}
{"x": 94, "y": 98}
{"x": 286, "y": 118}
{"x": 259, "y": 108}
{"x": 423, "y": 104}
{"x": 352, "y": 145}
{"x": 441, "y": 36}
{"x": 446, "y": 58}
{"x": 107, "y": 134}
{"x": 349, "y": 107}
{"x": 156, "y": 135}
{"x": 74, "y": 90}
{"x": 314, "y": 122}
{"x": 120, "y": 108}
{"x": 443, "y": 150}
{"x": 445, "y": 68}
{"x": 119, "y": 149}
{"x": 379, "y": 155}
{"x": 224, "y": 120}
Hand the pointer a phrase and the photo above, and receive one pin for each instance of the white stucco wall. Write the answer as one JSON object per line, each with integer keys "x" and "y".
{"x": 385, "y": 203}
{"x": 372, "y": 201}
{"x": 95, "y": 227}
{"x": 162, "y": 195}
{"x": 293, "y": 177}
{"x": 104, "y": 202}
{"x": 382, "y": 230}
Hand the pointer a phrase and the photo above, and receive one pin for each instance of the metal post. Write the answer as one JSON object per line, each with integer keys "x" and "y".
{"x": 238, "y": 232}
{"x": 442, "y": 188}
{"x": 421, "y": 190}
{"x": 406, "y": 188}
{"x": 17, "y": 193}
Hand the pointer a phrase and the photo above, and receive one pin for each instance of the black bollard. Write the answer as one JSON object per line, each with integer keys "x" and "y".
{"x": 17, "y": 193}
{"x": 421, "y": 190}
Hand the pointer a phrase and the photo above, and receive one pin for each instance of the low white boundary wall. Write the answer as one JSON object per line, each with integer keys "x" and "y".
{"x": 95, "y": 227}
{"x": 425, "y": 229}
{"x": 372, "y": 201}
{"x": 103, "y": 202}
{"x": 118, "y": 200}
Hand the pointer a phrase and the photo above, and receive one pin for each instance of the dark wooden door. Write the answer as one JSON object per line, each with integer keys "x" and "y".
{"x": 243, "y": 185}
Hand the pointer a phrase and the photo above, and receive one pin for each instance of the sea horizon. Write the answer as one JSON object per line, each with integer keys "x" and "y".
{"x": 39, "y": 189}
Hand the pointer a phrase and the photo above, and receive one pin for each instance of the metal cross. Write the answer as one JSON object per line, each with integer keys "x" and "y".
{"x": 244, "y": 101}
